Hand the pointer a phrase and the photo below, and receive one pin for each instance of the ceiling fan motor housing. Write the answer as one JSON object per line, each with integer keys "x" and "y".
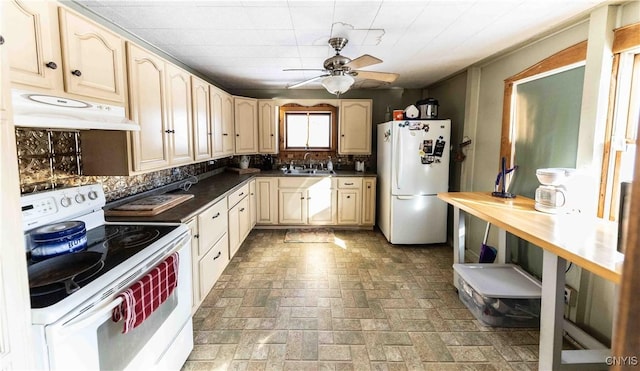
{"x": 336, "y": 62}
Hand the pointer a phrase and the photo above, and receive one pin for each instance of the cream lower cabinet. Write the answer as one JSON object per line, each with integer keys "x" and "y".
{"x": 239, "y": 211}
{"x": 253, "y": 199}
{"x": 267, "y": 201}
{"x": 306, "y": 201}
{"x": 209, "y": 249}
{"x": 349, "y": 201}
{"x": 369, "y": 201}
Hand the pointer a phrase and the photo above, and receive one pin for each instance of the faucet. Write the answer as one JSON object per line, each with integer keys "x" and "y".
{"x": 305, "y": 157}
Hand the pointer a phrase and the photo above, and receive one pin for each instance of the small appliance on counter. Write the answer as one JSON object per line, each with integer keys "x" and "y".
{"x": 551, "y": 196}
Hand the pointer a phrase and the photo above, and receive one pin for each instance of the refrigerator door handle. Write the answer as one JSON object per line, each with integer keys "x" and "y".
{"x": 399, "y": 159}
{"x": 405, "y": 197}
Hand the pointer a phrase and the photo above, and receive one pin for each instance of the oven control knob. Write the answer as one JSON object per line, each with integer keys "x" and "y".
{"x": 65, "y": 201}
{"x": 92, "y": 195}
{"x": 80, "y": 198}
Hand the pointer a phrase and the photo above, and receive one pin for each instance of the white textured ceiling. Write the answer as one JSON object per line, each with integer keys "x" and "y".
{"x": 246, "y": 44}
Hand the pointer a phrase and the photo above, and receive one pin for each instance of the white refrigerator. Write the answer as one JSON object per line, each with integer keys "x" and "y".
{"x": 413, "y": 166}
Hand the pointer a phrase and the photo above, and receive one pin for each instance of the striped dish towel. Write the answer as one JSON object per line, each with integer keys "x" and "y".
{"x": 146, "y": 295}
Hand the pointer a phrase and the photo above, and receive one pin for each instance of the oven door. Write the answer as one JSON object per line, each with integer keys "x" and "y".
{"x": 91, "y": 340}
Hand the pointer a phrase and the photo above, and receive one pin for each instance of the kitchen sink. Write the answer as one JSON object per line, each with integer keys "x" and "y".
{"x": 308, "y": 172}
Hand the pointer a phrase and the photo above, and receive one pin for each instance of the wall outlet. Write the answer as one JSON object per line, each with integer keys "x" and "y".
{"x": 570, "y": 296}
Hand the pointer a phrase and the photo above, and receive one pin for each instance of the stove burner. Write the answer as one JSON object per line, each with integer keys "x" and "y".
{"x": 63, "y": 272}
{"x": 133, "y": 238}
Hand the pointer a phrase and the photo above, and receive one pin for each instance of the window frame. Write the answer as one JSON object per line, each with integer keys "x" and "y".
{"x": 319, "y": 108}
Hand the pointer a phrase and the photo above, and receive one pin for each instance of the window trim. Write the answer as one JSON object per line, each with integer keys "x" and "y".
{"x": 292, "y": 107}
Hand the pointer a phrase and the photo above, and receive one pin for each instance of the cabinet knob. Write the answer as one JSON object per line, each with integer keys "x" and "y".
{"x": 215, "y": 216}
{"x": 225, "y": 134}
{"x": 271, "y": 134}
{"x": 348, "y": 196}
{"x": 237, "y": 135}
{"x": 52, "y": 65}
{"x": 1, "y": 40}
{"x": 302, "y": 198}
{"x": 170, "y": 131}
{"x": 209, "y": 134}
{"x": 369, "y": 187}
{"x": 240, "y": 194}
{"x": 196, "y": 236}
{"x": 342, "y": 135}
{"x": 217, "y": 256}
{"x": 241, "y": 210}
{"x": 76, "y": 73}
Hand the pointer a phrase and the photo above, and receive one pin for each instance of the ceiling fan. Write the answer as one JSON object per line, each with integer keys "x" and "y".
{"x": 339, "y": 71}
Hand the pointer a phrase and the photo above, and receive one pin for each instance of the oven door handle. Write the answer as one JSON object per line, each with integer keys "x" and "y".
{"x": 91, "y": 316}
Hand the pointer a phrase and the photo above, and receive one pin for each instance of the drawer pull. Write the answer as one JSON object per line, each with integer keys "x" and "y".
{"x": 241, "y": 193}
{"x": 217, "y": 256}
{"x": 302, "y": 198}
{"x": 348, "y": 184}
{"x": 241, "y": 210}
{"x": 225, "y": 134}
{"x": 215, "y": 216}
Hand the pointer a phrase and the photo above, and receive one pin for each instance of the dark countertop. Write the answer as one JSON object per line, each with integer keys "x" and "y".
{"x": 208, "y": 191}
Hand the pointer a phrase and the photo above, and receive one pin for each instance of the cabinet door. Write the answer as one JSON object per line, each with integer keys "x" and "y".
{"x": 212, "y": 265}
{"x": 246, "y": 125}
{"x": 218, "y": 137}
{"x": 321, "y": 205}
{"x": 267, "y": 127}
{"x": 234, "y": 230}
{"x": 244, "y": 215}
{"x": 179, "y": 115}
{"x": 369, "y": 201}
{"x": 146, "y": 99}
{"x": 33, "y": 43}
{"x": 212, "y": 224}
{"x": 355, "y": 127}
{"x": 202, "y": 133}
{"x": 93, "y": 59}
{"x": 349, "y": 206}
{"x": 293, "y": 206}
{"x": 267, "y": 202}
{"x": 228, "y": 131}
{"x": 192, "y": 224}
{"x": 253, "y": 198}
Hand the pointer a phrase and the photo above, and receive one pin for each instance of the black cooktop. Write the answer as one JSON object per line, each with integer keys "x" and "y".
{"x": 56, "y": 278}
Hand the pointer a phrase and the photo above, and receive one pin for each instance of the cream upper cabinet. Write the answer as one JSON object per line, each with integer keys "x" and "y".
{"x": 147, "y": 101}
{"x": 355, "y": 127}
{"x": 178, "y": 106}
{"x": 93, "y": 59}
{"x": 239, "y": 225}
{"x": 221, "y": 105}
{"x": 202, "y": 133}
{"x": 369, "y": 201}
{"x": 267, "y": 127}
{"x": 349, "y": 200}
{"x": 246, "y": 125}
{"x": 267, "y": 200}
{"x": 33, "y": 43}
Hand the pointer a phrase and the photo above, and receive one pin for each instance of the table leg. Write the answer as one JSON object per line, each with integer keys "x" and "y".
{"x": 459, "y": 232}
{"x": 503, "y": 255}
{"x": 551, "y": 312}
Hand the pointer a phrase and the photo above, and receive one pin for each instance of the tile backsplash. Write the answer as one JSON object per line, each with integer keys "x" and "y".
{"x": 50, "y": 159}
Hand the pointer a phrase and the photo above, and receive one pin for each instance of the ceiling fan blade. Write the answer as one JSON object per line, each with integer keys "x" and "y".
{"x": 304, "y": 69}
{"x": 381, "y": 76}
{"x": 306, "y": 81}
{"x": 363, "y": 61}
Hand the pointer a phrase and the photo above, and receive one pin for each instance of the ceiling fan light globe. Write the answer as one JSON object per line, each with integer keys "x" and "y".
{"x": 337, "y": 84}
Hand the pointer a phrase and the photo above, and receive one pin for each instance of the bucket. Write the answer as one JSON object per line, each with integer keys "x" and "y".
{"x": 487, "y": 253}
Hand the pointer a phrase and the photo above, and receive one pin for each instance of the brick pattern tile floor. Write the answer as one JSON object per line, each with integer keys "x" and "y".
{"x": 357, "y": 304}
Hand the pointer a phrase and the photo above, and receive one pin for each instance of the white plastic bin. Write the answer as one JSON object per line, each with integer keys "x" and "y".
{"x": 501, "y": 295}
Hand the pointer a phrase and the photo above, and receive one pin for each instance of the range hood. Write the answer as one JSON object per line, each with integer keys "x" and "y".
{"x": 31, "y": 109}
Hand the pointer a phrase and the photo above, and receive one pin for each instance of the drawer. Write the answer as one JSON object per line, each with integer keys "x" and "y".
{"x": 349, "y": 183}
{"x": 237, "y": 195}
{"x": 212, "y": 224}
{"x": 212, "y": 264}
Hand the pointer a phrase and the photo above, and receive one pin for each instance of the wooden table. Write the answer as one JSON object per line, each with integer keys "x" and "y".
{"x": 587, "y": 242}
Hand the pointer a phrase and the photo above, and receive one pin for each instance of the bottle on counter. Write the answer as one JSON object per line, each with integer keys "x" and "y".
{"x": 329, "y": 164}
